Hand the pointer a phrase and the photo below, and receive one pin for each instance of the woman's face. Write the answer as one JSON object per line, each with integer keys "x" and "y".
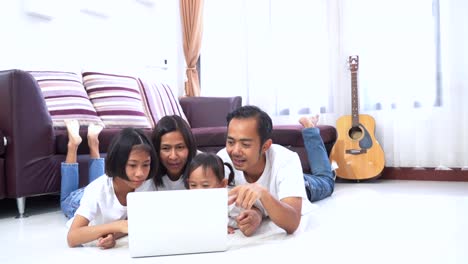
{"x": 173, "y": 154}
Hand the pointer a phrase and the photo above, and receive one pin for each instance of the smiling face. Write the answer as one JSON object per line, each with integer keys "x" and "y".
{"x": 204, "y": 178}
{"x": 173, "y": 154}
{"x": 244, "y": 147}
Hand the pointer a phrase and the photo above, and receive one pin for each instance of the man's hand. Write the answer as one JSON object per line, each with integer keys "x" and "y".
{"x": 249, "y": 220}
{"x": 246, "y": 195}
{"x": 106, "y": 242}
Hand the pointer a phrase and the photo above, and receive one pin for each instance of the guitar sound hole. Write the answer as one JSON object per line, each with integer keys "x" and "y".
{"x": 355, "y": 133}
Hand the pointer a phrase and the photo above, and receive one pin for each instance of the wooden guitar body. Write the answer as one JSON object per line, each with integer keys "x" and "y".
{"x": 357, "y": 153}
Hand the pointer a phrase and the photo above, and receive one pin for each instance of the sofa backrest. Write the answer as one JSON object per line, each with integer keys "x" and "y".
{"x": 209, "y": 111}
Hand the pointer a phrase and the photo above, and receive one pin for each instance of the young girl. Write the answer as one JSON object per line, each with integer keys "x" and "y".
{"x": 207, "y": 171}
{"x": 175, "y": 145}
{"x": 102, "y": 213}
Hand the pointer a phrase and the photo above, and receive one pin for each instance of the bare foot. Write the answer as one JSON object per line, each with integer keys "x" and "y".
{"x": 307, "y": 122}
{"x": 73, "y": 129}
{"x": 93, "y": 141}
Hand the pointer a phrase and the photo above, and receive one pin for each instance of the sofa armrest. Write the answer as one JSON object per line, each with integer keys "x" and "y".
{"x": 26, "y": 122}
{"x": 3, "y": 143}
{"x": 209, "y": 111}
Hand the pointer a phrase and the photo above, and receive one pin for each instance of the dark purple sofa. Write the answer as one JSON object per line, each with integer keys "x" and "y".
{"x": 30, "y": 159}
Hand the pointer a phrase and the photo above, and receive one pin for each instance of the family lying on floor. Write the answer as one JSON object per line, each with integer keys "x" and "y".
{"x": 264, "y": 179}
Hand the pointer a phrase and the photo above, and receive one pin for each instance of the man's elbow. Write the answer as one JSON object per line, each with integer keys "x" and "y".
{"x": 293, "y": 227}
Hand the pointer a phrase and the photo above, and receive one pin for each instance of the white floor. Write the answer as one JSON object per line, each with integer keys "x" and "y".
{"x": 379, "y": 222}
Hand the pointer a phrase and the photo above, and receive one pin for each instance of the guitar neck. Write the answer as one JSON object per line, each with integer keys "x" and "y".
{"x": 354, "y": 99}
{"x": 353, "y": 66}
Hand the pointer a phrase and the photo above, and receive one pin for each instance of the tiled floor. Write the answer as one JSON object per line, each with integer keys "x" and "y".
{"x": 379, "y": 222}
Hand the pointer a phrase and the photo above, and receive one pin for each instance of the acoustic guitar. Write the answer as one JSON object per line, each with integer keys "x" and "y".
{"x": 357, "y": 153}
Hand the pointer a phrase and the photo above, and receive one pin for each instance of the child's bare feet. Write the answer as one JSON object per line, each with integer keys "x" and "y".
{"x": 93, "y": 141}
{"x": 310, "y": 121}
{"x": 73, "y": 129}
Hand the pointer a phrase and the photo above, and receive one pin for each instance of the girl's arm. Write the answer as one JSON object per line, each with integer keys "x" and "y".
{"x": 81, "y": 233}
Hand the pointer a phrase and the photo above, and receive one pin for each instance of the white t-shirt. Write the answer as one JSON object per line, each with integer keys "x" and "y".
{"x": 169, "y": 185}
{"x": 99, "y": 203}
{"x": 282, "y": 175}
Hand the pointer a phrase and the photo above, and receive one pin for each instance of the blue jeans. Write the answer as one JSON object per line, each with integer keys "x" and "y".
{"x": 70, "y": 194}
{"x": 321, "y": 182}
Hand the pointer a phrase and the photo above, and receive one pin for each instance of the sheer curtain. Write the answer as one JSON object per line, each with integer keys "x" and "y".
{"x": 272, "y": 52}
{"x": 420, "y": 122}
{"x": 290, "y": 58}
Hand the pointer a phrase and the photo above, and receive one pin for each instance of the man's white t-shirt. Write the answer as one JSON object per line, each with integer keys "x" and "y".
{"x": 99, "y": 203}
{"x": 282, "y": 176}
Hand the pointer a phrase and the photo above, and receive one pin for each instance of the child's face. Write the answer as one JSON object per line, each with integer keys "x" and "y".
{"x": 137, "y": 167}
{"x": 204, "y": 179}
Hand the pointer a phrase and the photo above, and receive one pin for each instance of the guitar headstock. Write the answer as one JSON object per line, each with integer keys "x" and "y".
{"x": 353, "y": 63}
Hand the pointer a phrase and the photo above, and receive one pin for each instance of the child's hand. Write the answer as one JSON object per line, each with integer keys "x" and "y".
{"x": 123, "y": 226}
{"x": 106, "y": 242}
{"x": 230, "y": 230}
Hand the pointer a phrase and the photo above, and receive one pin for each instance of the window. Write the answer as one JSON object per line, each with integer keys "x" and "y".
{"x": 397, "y": 43}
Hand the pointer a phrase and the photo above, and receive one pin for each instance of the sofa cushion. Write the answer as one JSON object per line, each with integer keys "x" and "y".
{"x": 159, "y": 100}
{"x": 117, "y": 99}
{"x": 65, "y": 97}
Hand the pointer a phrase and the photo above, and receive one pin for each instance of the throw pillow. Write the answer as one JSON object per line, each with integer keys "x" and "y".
{"x": 65, "y": 97}
{"x": 160, "y": 100}
{"x": 117, "y": 99}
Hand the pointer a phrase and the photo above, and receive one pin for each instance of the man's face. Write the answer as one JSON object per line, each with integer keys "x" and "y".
{"x": 243, "y": 145}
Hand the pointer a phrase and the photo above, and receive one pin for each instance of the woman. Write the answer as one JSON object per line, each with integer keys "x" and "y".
{"x": 174, "y": 142}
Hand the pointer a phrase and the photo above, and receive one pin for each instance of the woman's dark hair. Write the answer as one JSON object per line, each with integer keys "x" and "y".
{"x": 210, "y": 161}
{"x": 166, "y": 125}
{"x": 119, "y": 151}
{"x": 264, "y": 123}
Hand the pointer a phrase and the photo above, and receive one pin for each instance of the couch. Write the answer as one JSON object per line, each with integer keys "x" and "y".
{"x": 32, "y": 149}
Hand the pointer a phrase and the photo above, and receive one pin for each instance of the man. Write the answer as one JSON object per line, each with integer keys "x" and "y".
{"x": 268, "y": 177}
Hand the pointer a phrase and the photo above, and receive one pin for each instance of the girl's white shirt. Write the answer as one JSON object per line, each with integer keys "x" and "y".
{"x": 99, "y": 203}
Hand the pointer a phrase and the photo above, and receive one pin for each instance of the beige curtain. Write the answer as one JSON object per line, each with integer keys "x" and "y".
{"x": 191, "y": 12}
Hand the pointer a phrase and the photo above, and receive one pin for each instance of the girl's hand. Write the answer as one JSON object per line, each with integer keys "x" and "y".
{"x": 123, "y": 226}
{"x": 106, "y": 242}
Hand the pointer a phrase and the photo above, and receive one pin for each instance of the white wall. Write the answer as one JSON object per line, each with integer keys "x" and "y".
{"x": 123, "y": 36}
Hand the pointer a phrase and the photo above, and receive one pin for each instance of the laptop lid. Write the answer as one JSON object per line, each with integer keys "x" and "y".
{"x": 177, "y": 222}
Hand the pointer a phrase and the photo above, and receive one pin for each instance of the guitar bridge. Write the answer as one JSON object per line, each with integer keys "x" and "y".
{"x": 356, "y": 151}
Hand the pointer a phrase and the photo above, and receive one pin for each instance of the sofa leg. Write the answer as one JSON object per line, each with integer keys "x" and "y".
{"x": 21, "y": 204}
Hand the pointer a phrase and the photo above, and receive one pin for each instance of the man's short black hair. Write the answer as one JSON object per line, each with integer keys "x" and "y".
{"x": 264, "y": 123}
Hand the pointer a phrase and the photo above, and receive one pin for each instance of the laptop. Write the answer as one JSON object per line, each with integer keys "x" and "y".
{"x": 177, "y": 222}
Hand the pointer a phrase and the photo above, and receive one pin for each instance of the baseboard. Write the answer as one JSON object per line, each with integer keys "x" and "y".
{"x": 424, "y": 174}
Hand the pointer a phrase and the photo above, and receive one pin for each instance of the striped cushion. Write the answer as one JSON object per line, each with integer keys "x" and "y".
{"x": 65, "y": 97}
{"x": 160, "y": 100}
{"x": 117, "y": 99}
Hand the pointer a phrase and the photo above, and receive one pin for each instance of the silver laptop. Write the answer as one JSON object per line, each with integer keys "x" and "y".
{"x": 177, "y": 222}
